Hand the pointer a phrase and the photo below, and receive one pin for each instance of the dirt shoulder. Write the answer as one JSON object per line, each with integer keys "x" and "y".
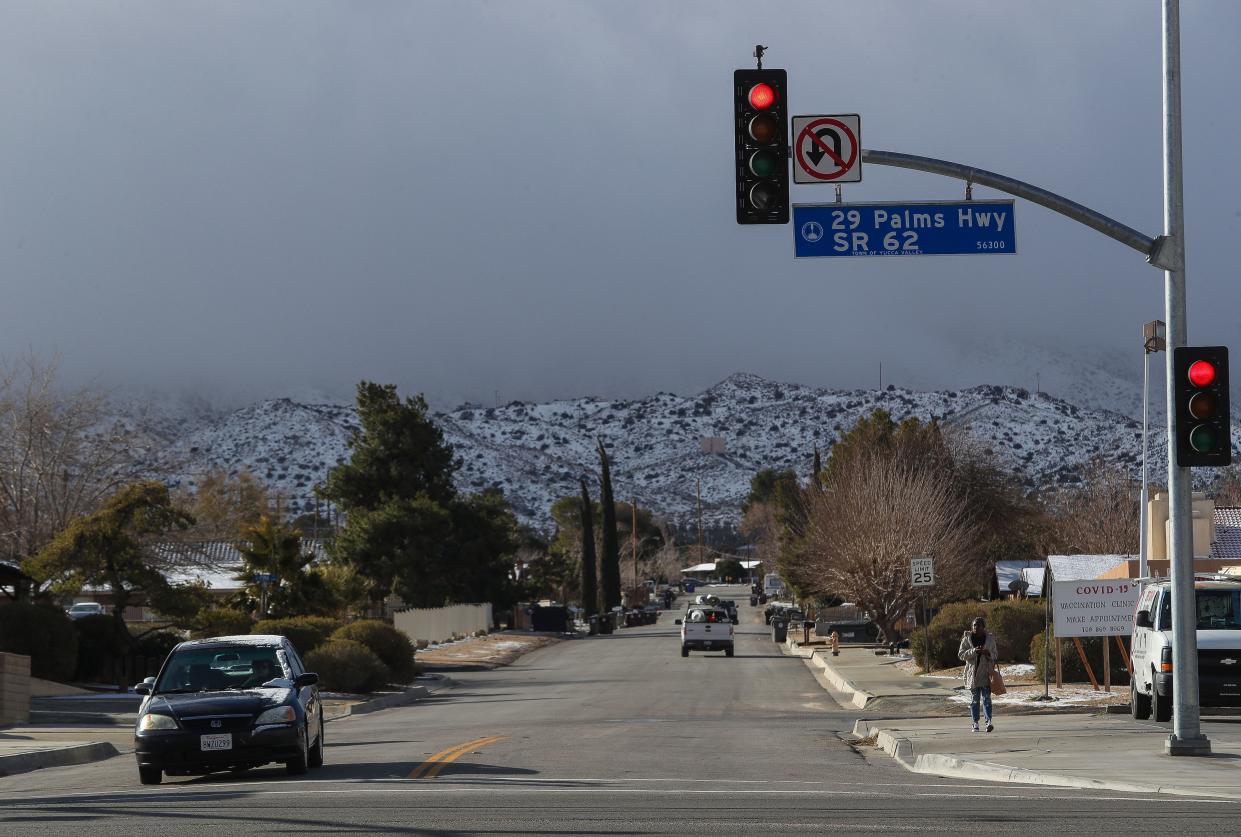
{"x": 491, "y": 651}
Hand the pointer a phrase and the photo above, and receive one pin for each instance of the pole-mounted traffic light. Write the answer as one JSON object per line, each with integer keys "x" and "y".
{"x": 760, "y": 126}
{"x": 1203, "y": 432}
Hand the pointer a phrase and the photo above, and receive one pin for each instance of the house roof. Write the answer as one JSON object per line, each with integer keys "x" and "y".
{"x": 1034, "y": 576}
{"x": 1226, "y": 545}
{"x": 1083, "y": 567}
{"x": 1007, "y": 572}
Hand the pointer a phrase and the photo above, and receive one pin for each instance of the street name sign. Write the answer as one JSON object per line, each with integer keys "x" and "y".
{"x": 827, "y": 148}
{"x": 922, "y": 572}
{"x": 1101, "y": 607}
{"x": 951, "y": 228}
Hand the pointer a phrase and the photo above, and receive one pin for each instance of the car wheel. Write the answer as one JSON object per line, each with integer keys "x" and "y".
{"x": 1161, "y": 707}
{"x": 684, "y": 651}
{"x": 297, "y": 766}
{"x": 316, "y": 752}
{"x": 1139, "y": 704}
{"x": 150, "y": 775}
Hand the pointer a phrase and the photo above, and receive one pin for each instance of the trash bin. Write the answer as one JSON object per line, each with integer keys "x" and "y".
{"x": 753, "y": 601}
{"x": 779, "y": 630}
{"x": 605, "y": 623}
{"x": 593, "y": 625}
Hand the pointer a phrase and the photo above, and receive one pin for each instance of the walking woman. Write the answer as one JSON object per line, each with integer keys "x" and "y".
{"x": 978, "y": 653}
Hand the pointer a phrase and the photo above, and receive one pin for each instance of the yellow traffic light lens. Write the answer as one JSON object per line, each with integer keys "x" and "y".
{"x": 1202, "y": 406}
{"x": 763, "y": 129}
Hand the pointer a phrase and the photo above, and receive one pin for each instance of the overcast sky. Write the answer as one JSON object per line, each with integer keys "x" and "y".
{"x": 265, "y": 198}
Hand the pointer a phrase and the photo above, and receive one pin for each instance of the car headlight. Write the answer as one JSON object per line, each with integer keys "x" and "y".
{"x": 153, "y": 721}
{"x": 276, "y": 715}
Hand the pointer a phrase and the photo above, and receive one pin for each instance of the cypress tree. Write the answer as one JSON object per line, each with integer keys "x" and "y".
{"x": 590, "y": 592}
{"x": 609, "y": 575}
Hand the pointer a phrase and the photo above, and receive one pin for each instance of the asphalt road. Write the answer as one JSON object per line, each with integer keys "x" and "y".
{"x": 607, "y": 735}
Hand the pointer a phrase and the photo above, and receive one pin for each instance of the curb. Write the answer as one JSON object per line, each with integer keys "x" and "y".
{"x": 940, "y": 764}
{"x": 858, "y": 697}
{"x": 334, "y": 712}
{"x": 60, "y": 757}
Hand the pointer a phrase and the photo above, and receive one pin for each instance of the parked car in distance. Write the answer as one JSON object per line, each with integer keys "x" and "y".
{"x": 81, "y": 609}
{"x": 228, "y": 703}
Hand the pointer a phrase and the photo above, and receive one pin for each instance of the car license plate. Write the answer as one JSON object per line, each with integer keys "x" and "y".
{"x": 209, "y": 743}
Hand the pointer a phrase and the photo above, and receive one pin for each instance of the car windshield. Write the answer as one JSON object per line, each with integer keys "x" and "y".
{"x": 1218, "y": 610}
{"x": 219, "y": 669}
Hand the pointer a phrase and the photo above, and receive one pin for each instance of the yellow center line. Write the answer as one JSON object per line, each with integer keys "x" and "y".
{"x": 431, "y": 768}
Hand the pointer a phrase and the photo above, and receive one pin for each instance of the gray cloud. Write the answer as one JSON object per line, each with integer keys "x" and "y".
{"x": 535, "y": 197}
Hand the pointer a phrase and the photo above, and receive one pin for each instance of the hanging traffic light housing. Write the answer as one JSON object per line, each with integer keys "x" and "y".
{"x": 1203, "y": 425}
{"x": 760, "y": 129}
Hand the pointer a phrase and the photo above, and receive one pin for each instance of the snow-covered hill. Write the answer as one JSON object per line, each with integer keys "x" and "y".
{"x": 537, "y": 452}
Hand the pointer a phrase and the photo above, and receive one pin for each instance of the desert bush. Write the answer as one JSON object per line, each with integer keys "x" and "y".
{"x": 344, "y": 665}
{"x": 1071, "y": 664}
{"x": 305, "y": 632}
{"x": 221, "y": 621}
{"x": 45, "y": 635}
{"x": 1014, "y": 624}
{"x": 390, "y": 645}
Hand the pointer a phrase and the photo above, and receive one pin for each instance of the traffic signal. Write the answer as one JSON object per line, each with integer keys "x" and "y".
{"x": 1203, "y": 434}
{"x": 760, "y": 126}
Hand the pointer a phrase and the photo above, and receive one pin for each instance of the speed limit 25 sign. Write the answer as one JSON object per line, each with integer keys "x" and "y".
{"x": 922, "y": 572}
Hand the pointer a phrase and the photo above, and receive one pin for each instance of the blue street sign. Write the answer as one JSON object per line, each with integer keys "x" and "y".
{"x": 950, "y": 228}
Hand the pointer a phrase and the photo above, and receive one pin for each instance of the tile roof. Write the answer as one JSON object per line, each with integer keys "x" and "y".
{"x": 1226, "y": 545}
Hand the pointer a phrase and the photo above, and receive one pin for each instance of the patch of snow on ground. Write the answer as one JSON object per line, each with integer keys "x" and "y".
{"x": 1017, "y": 670}
{"x": 1063, "y": 696}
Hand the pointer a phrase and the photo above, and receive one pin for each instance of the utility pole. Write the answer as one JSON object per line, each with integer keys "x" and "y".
{"x": 1186, "y": 738}
{"x": 633, "y": 536}
{"x": 701, "y": 550}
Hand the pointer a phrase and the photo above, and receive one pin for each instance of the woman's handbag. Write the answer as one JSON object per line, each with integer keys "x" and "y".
{"x": 996, "y": 681}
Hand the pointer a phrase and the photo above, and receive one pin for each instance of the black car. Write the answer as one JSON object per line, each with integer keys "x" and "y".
{"x": 229, "y": 703}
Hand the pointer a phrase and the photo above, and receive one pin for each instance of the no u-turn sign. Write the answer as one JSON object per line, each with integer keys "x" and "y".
{"x": 827, "y": 149}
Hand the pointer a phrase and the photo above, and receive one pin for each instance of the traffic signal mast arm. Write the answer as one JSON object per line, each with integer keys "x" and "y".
{"x": 1152, "y": 248}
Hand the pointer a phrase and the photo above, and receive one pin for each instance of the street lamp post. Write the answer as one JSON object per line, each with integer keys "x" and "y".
{"x": 1153, "y": 340}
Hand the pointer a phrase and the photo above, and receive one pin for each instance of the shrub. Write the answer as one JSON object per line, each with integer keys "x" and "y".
{"x": 305, "y": 632}
{"x": 1071, "y": 664}
{"x": 347, "y": 666}
{"x": 1013, "y": 623}
{"x": 390, "y": 645}
{"x": 103, "y": 642}
{"x": 45, "y": 635}
{"x": 157, "y": 643}
{"x": 221, "y": 621}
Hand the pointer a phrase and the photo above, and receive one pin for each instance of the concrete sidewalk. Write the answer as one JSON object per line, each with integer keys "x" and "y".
{"x": 1101, "y": 752}
{"x": 1095, "y": 751}
{"x": 864, "y": 677}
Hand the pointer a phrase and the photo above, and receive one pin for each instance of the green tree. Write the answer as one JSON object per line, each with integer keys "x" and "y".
{"x": 609, "y": 575}
{"x": 112, "y": 547}
{"x": 272, "y": 548}
{"x": 590, "y": 592}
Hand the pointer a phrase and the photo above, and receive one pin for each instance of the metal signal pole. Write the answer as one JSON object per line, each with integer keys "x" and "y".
{"x": 1186, "y": 738}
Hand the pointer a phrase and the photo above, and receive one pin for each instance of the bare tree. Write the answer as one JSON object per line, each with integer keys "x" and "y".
{"x": 60, "y": 456}
{"x": 876, "y": 513}
{"x": 1102, "y": 517}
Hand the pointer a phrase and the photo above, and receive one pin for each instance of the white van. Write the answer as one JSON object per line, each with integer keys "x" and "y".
{"x": 1219, "y": 647}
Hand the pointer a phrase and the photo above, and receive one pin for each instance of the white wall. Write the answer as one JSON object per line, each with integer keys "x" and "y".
{"x": 435, "y": 624}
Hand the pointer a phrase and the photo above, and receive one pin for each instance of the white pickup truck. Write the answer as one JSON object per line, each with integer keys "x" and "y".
{"x": 706, "y": 628}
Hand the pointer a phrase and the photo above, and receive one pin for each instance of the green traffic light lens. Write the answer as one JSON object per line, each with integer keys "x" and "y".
{"x": 763, "y": 129}
{"x": 764, "y": 163}
{"x": 1202, "y": 406}
{"x": 763, "y": 195}
{"x": 1203, "y": 439}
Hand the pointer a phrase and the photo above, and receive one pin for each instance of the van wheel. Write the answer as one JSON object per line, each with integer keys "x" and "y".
{"x": 1160, "y": 707}
{"x": 684, "y": 651}
{"x": 1139, "y": 704}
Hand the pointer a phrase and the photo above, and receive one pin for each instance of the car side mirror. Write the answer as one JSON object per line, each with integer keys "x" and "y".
{"x": 308, "y": 678}
{"x": 677, "y": 621}
{"x": 1143, "y": 619}
{"x": 144, "y": 688}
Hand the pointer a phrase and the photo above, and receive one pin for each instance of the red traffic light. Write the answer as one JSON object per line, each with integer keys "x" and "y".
{"x": 762, "y": 96}
{"x": 1201, "y": 373}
